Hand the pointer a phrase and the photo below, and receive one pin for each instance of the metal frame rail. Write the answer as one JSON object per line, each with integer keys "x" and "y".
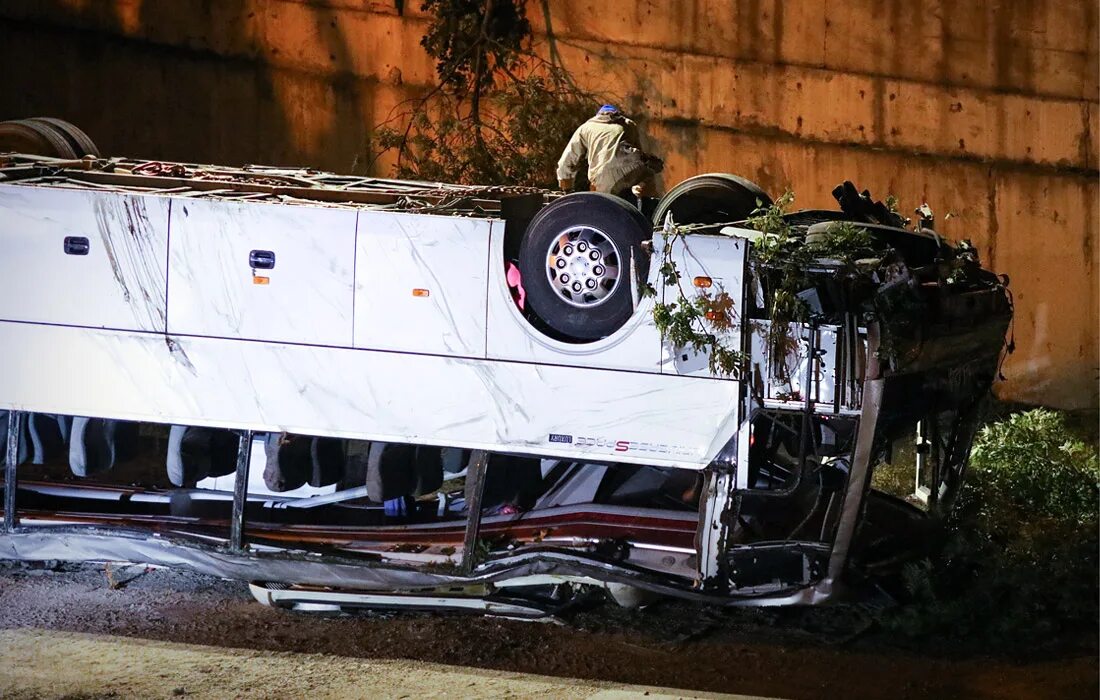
{"x": 286, "y": 185}
{"x": 15, "y": 424}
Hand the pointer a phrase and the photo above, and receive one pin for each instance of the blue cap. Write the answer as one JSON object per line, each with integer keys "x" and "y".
{"x": 607, "y": 108}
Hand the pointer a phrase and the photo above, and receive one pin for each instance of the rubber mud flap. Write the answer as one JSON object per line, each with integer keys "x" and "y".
{"x": 614, "y": 220}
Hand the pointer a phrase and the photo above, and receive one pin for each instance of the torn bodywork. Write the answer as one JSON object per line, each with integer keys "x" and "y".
{"x": 326, "y": 386}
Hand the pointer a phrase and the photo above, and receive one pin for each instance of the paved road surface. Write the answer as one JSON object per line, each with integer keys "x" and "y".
{"x": 49, "y": 664}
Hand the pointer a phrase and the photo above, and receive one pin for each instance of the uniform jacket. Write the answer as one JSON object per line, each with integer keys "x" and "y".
{"x": 610, "y": 142}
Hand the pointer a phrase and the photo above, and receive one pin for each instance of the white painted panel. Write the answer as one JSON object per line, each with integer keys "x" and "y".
{"x": 609, "y": 415}
{"x": 211, "y": 287}
{"x": 445, "y": 258}
{"x": 636, "y": 346}
{"x": 722, "y": 259}
{"x": 120, "y": 283}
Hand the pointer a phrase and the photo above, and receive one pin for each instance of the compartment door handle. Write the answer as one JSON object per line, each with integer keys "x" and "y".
{"x": 261, "y": 259}
{"x": 76, "y": 245}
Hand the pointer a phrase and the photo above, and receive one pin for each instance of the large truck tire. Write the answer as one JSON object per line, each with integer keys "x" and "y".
{"x": 580, "y": 259}
{"x": 81, "y": 144}
{"x": 714, "y": 198}
{"x": 34, "y": 138}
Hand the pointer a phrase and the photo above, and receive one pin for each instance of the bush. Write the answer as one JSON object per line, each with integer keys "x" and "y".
{"x": 1019, "y": 567}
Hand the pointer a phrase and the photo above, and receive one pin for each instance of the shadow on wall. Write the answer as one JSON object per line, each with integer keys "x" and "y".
{"x": 162, "y": 80}
{"x": 224, "y": 81}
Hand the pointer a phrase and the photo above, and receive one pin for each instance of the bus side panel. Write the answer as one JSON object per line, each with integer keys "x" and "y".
{"x": 505, "y": 406}
{"x": 260, "y": 271}
{"x": 420, "y": 283}
{"x": 83, "y": 258}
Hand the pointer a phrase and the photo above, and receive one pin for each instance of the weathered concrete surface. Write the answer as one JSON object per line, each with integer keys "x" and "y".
{"x": 986, "y": 110}
{"x": 50, "y": 664}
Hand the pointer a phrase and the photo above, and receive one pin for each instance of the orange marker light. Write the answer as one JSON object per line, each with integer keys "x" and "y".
{"x": 257, "y": 279}
{"x": 421, "y": 292}
{"x": 702, "y": 282}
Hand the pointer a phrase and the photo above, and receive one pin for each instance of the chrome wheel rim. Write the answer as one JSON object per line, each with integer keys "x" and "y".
{"x": 583, "y": 266}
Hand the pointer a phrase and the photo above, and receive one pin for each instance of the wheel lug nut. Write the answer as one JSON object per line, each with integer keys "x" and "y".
{"x": 560, "y": 263}
{"x": 591, "y": 284}
{"x": 564, "y": 278}
{"x": 581, "y": 247}
{"x": 595, "y": 254}
{"x": 598, "y": 270}
{"x": 576, "y": 286}
{"x": 568, "y": 250}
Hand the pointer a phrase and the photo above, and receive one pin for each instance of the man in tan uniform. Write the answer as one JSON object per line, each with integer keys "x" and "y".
{"x": 616, "y": 163}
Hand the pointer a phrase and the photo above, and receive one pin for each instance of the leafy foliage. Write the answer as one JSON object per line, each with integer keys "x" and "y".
{"x": 780, "y": 256}
{"x": 499, "y": 114}
{"x": 1032, "y": 464}
{"x": 1020, "y": 561}
{"x": 474, "y": 40}
{"x": 701, "y": 321}
{"x": 771, "y": 223}
{"x": 843, "y": 240}
{"x": 892, "y": 204}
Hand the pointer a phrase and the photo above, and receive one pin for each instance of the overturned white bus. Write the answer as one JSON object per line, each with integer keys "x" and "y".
{"x": 360, "y": 392}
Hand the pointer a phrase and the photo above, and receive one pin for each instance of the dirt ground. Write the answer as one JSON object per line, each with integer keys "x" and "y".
{"x": 790, "y": 653}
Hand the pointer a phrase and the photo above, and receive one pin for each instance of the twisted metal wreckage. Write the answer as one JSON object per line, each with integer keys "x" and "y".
{"x": 351, "y": 391}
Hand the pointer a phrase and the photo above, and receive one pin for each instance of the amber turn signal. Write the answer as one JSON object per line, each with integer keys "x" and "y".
{"x": 702, "y": 282}
{"x": 421, "y": 293}
{"x": 257, "y": 279}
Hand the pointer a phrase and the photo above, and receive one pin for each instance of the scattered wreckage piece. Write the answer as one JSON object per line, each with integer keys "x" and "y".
{"x": 393, "y": 394}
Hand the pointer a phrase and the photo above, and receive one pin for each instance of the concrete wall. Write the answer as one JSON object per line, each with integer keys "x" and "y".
{"x": 985, "y": 109}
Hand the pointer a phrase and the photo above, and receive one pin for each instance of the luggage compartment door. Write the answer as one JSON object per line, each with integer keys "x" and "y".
{"x": 83, "y": 258}
{"x": 259, "y": 271}
{"x": 421, "y": 283}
